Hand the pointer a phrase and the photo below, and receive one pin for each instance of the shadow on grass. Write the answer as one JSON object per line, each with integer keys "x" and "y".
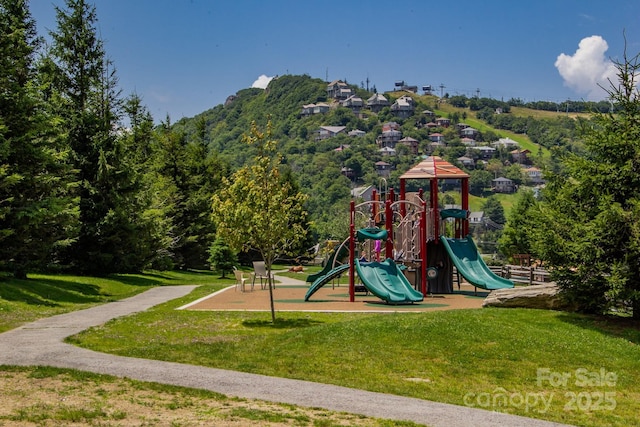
{"x": 282, "y": 323}
{"x": 144, "y": 280}
{"x": 49, "y": 292}
{"x": 613, "y": 326}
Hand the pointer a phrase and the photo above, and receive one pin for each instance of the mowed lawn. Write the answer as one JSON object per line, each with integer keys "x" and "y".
{"x": 557, "y": 366}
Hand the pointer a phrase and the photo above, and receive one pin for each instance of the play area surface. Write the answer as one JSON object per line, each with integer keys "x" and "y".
{"x": 289, "y": 295}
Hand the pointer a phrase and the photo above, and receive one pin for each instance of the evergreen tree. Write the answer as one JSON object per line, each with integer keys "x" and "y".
{"x": 493, "y": 210}
{"x": 35, "y": 207}
{"x": 221, "y": 257}
{"x": 193, "y": 175}
{"x": 516, "y": 235}
{"x": 589, "y": 231}
{"x": 109, "y": 210}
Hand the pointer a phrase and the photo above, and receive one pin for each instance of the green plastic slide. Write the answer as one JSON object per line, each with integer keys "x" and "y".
{"x": 338, "y": 255}
{"x": 386, "y": 281}
{"x": 465, "y": 257}
{"x": 324, "y": 279}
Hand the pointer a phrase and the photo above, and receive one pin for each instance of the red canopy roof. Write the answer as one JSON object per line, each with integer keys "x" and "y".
{"x": 434, "y": 167}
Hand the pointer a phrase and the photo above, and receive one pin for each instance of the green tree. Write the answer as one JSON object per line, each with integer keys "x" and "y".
{"x": 516, "y": 235}
{"x": 493, "y": 210}
{"x": 589, "y": 232}
{"x": 90, "y": 105}
{"x": 479, "y": 180}
{"x": 256, "y": 209}
{"x": 221, "y": 257}
{"x": 35, "y": 206}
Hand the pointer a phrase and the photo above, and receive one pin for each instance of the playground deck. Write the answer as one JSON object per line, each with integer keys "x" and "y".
{"x": 289, "y": 296}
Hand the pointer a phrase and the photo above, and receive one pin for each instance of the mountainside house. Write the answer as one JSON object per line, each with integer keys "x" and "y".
{"x": 310, "y": 109}
{"x": 469, "y": 132}
{"x": 354, "y": 103}
{"x": 364, "y": 193}
{"x": 377, "y": 102}
{"x": 476, "y": 218}
{"x": 383, "y": 169}
{"x": 469, "y": 142}
{"x": 520, "y": 156}
{"x": 326, "y": 132}
{"x": 338, "y": 89}
{"x": 484, "y": 152}
{"x": 348, "y": 172}
{"x": 403, "y": 107}
{"x": 436, "y": 137}
{"x": 443, "y": 122}
{"x": 535, "y": 175}
{"x": 467, "y": 162}
{"x": 502, "y": 185}
{"x": 357, "y": 133}
{"x": 389, "y": 138}
{"x": 411, "y": 143}
{"x": 387, "y": 151}
{"x": 506, "y": 142}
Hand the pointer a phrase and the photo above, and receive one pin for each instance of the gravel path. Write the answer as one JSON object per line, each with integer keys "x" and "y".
{"x": 41, "y": 343}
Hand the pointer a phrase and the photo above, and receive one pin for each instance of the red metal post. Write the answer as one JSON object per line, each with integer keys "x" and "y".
{"x": 388, "y": 248}
{"x": 423, "y": 248}
{"x": 374, "y": 207}
{"x": 465, "y": 205}
{"x": 352, "y": 253}
{"x": 434, "y": 208}
{"x": 403, "y": 196}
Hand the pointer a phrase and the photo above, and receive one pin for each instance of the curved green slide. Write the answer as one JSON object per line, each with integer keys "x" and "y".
{"x": 386, "y": 281}
{"x": 324, "y": 279}
{"x": 338, "y": 254}
{"x": 465, "y": 257}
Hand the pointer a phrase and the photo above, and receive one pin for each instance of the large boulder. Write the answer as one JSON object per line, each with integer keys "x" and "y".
{"x": 536, "y": 296}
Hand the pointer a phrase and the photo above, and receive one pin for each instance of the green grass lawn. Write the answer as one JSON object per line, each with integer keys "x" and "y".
{"x": 558, "y": 366}
{"x": 41, "y": 295}
{"x": 507, "y": 360}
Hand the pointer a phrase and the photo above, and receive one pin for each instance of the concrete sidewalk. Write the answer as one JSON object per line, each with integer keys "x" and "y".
{"x": 41, "y": 343}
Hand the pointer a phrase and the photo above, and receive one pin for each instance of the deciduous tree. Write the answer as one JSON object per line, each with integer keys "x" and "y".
{"x": 256, "y": 208}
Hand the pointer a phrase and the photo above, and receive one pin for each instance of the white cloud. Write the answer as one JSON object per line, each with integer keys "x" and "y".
{"x": 588, "y": 70}
{"x": 262, "y": 82}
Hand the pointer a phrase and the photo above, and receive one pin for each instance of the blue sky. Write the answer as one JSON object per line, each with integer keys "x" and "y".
{"x": 186, "y": 56}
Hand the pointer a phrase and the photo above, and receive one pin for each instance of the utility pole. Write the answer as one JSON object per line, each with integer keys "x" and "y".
{"x": 442, "y": 90}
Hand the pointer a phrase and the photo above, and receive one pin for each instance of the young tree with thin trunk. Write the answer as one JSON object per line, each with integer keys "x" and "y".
{"x": 256, "y": 209}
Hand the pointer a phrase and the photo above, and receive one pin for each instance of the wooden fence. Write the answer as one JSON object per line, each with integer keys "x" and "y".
{"x": 523, "y": 274}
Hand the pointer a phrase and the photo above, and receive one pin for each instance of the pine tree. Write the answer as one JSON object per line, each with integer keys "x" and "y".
{"x": 35, "y": 207}
{"x": 588, "y": 230}
{"x": 109, "y": 208}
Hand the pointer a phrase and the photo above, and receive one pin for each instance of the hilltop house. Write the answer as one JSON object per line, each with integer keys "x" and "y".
{"x": 338, "y": 90}
{"x": 403, "y": 107}
{"x": 377, "y": 102}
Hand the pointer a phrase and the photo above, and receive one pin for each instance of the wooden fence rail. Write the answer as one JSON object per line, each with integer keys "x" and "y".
{"x": 523, "y": 274}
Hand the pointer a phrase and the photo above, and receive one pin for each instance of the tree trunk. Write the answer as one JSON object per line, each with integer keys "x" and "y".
{"x": 273, "y": 310}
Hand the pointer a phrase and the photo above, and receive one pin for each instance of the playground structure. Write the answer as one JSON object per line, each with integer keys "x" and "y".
{"x": 414, "y": 236}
